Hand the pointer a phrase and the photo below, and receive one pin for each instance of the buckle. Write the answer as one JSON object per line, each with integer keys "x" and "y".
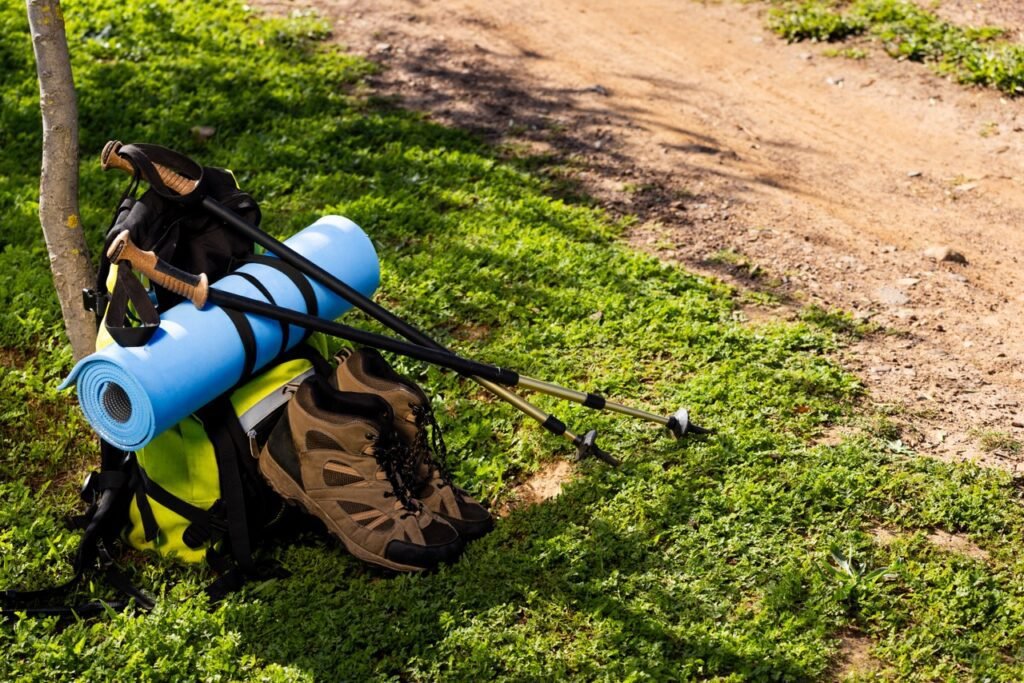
{"x": 95, "y": 302}
{"x": 87, "y": 492}
{"x": 211, "y": 528}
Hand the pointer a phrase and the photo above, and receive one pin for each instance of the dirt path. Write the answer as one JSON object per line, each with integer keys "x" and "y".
{"x": 819, "y": 180}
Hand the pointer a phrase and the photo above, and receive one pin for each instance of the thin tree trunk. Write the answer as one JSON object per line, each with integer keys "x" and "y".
{"x": 58, "y": 183}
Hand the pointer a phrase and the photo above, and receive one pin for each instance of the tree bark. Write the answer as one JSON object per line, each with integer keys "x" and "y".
{"x": 58, "y": 183}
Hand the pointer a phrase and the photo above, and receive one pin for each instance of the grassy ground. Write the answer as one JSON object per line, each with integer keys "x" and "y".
{"x": 907, "y": 31}
{"x": 748, "y": 555}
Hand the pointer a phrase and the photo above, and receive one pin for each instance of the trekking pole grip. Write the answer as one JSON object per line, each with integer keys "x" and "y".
{"x": 109, "y": 158}
{"x": 195, "y": 288}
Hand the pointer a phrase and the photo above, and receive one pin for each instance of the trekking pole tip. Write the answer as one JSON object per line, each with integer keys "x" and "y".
{"x": 679, "y": 424}
{"x": 587, "y": 446}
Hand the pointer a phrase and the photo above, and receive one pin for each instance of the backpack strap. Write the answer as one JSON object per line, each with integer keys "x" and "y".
{"x": 248, "y": 339}
{"x": 34, "y": 603}
{"x": 231, "y": 448}
{"x": 106, "y": 492}
{"x": 205, "y": 526}
{"x": 254, "y": 281}
{"x": 292, "y": 273}
{"x": 129, "y": 290}
{"x": 241, "y": 323}
{"x": 297, "y": 279}
{"x": 230, "y": 444}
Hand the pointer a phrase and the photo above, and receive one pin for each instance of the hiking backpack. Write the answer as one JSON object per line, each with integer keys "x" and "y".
{"x": 194, "y": 492}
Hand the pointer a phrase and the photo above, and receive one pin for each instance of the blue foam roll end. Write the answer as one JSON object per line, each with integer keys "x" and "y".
{"x": 131, "y": 394}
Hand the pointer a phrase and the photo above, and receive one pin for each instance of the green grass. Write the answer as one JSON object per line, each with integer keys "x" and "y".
{"x": 814, "y": 20}
{"x": 907, "y": 31}
{"x": 745, "y": 555}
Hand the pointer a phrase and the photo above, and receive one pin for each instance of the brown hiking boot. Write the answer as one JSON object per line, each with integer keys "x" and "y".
{"x": 365, "y": 370}
{"x": 337, "y": 454}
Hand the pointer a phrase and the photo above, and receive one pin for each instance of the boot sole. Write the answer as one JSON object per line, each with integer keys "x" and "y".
{"x": 286, "y": 487}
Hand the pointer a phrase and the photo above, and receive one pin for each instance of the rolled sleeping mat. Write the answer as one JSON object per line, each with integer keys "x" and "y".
{"x": 131, "y": 394}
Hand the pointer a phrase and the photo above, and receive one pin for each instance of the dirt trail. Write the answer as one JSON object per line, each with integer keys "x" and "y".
{"x": 821, "y": 180}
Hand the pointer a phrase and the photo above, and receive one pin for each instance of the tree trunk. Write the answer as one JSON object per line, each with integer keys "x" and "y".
{"x": 58, "y": 182}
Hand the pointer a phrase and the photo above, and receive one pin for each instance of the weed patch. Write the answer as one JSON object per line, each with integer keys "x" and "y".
{"x": 994, "y": 441}
{"x": 837, "y": 321}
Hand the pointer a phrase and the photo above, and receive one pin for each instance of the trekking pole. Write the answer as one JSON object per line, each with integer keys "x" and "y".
{"x": 678, "y": 423}
{"x": 165, "y": 180}
{"x": 196, "y": 288}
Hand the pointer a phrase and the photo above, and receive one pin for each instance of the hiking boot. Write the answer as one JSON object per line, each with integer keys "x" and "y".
{"x": 337, "y": 454}
{"x": 365, "y": 370}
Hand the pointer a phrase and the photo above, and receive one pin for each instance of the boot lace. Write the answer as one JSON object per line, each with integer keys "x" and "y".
{"x": 429, "y": 447}
{"x": 393, "y": 457}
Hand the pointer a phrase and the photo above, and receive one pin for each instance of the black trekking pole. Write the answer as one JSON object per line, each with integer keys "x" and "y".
{"x": 196, "y": 288}
{"x": 135, "y": 160}
{"x": 161, "y": 176}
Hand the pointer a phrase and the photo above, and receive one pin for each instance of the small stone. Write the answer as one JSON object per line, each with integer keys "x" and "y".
{"x": 914, "y": 174}
{"x": 1018, "y": 422}
{"x": 599, "y": 89}
{"x": 202, "y": 133}
{"x": 382, "y": 48}
{"x": 907, "y": 281}
{"x": 891, "y": 296}
{"x": 835, "y": 80}
{"x": 806, "y": 56}
{"x": 944, "y": 253}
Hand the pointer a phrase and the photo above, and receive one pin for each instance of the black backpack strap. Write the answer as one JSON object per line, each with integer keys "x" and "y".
{"x": 150, "y": 528}
{"x": 241, "y": 323}
{"x": 40, "y": 603}
{"x": 229, "y": 445}
{"x": 106, "y": 491}
{"x": 298, "y": 279}
{"x": 254, "y": 281}
{"x": 97, "y": 299}
{"x": 206, "y": 525}
{"x": 248, "y": 339}
{"x": 129, "y": 290}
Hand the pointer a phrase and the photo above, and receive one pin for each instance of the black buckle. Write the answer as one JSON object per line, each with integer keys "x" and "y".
{"x": 207, "y": 530}
{"x": 88, "y": 494}
{"x": 95, "y": 302}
